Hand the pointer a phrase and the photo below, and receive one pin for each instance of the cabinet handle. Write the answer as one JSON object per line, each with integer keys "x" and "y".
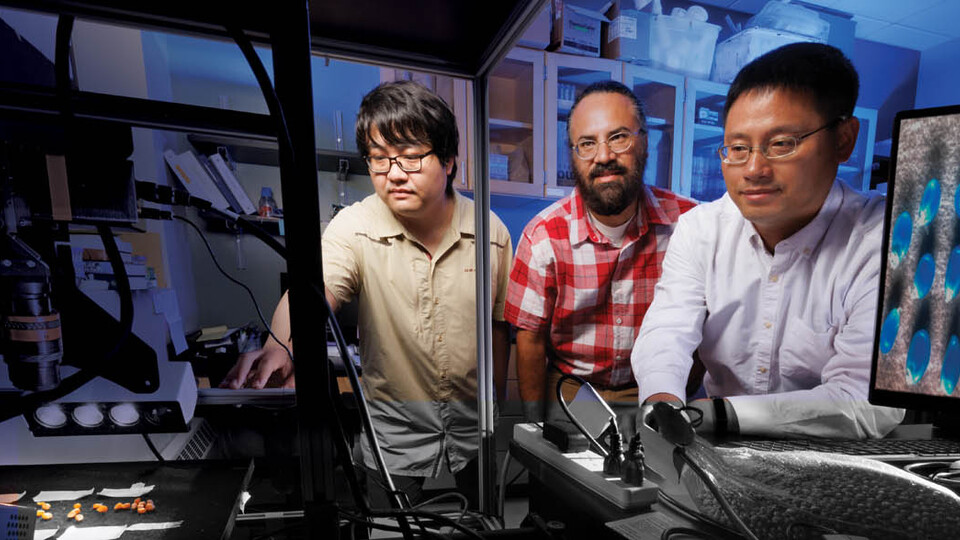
{"x": 463, "y": 173}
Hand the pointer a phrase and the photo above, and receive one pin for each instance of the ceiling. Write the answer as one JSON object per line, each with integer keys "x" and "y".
{"x": 912, "y": 24}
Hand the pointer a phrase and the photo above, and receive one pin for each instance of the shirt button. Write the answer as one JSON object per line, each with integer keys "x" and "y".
{"x": 440, "y": 337}
{"x": 767, "y": 324}
{"x": 774, "y": 278}
{"x": 619, "y": 320}
{"x": 436, "y": 300}
{"x": 762, "y": 370}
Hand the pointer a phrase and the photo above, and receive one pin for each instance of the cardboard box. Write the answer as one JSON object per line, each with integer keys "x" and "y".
{"x": 627, "y": 36}
{"x": 575, "y": 30}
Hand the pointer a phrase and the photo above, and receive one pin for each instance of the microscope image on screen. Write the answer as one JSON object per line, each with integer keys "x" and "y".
{"x": 919, "y": 337}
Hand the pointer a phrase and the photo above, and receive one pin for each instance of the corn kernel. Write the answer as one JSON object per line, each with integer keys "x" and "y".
{"x": 76, "y": 505}
{"x": 79, "y": 517}
{"x": 45, "y": 506}
{"x": 73, "y": 512}
{"x": 141, "y": 510}
{"x": 47, "y": 515}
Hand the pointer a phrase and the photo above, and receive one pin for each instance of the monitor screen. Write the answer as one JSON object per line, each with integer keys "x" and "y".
{"x": 916, "y": 357}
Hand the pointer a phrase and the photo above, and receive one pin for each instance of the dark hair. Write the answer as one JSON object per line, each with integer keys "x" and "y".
{"x": 819, "y": 71}
{"x": 611, "y": 87}
{"x": 407, "y": 113}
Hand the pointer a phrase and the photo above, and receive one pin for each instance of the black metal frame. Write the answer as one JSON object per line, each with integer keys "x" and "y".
{"x": 286, "y": 26}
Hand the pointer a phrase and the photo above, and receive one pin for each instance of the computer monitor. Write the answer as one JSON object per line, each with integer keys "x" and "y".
{"x": 916, "y": 356}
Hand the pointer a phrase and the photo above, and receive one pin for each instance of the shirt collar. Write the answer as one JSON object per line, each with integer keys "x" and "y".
{"x": 386, "y": 225}
{"x": 809, "y": 237}
{"x": 650, "y": 211}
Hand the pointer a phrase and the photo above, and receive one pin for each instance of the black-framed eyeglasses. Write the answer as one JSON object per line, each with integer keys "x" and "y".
{"x": 618, "y": 143}
{"x": 777, "y": 147}
{"x": 407, "y": 163}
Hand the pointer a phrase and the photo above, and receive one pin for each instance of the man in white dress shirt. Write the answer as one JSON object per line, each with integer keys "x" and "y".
{"x": 776, "y": 283}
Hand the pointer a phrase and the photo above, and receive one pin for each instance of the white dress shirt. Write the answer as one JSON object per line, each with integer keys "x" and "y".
{"x": 786, "y": 337}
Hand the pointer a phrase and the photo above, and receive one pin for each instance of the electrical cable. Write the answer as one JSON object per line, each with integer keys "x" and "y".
{"x": 715, "y": 490}
{"x": 423, "y": 514}
{"x": 502, "y": 493}
{"x": 563, "y": 405}
{"x": 283, "y": 133}
{"x": 686, "y": 531}
{"x": 152, "y": 447}
{"x": 464, "y": 503}
{"x": 716, "y": 528}
{"x": 73, "y": 382}
{"x": 263, "y": 320}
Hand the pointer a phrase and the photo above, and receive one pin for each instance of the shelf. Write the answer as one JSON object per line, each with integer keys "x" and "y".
{"x": 499, "y": 123}
{"x": 509, "y": 131}
{"x": 704, "y": 130}
{"x": 216, "y": 223}
{"x": 261, "y": 151}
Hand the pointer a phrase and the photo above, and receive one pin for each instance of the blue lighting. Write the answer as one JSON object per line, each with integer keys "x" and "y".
{"x": 923, "y": 279}
{"x": 900, "y": 240}
{"x": 950, "y": 371}
{"x": 930, "y": 203}
{"x": 888, "y": 332}
{"x": 951, "y": 282}
{"x": 918, "y": 356}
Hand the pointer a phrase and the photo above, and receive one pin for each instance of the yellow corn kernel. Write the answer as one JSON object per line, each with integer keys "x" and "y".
{"x": 79, "y": 517}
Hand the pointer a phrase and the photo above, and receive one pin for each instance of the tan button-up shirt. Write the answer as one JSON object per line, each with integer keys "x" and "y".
{"x": 417, "y": 319}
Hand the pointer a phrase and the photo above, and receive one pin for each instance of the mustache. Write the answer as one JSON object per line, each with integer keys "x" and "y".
{"x": 607, "y": 168}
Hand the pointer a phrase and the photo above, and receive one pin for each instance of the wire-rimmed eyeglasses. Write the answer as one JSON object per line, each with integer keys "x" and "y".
{"x": 407, "y": 163}
{"x": 618, "y": 143}
{"x": 777, "y": 147}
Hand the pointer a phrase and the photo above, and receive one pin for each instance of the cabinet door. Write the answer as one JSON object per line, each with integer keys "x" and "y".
{"x": 516, "y": 124}
{"x": 662, "y": 96}
{"x": 567, "y": 76}
{"x": 857, "y": 170}
{"x": 700, "y": 177}
{"x": 456, "y": 92}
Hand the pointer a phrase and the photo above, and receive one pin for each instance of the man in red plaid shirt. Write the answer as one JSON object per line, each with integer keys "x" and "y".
{"x": 586, "y": 266}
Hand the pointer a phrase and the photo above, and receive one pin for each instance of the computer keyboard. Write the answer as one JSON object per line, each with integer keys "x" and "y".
{"x": 879, "y": 448}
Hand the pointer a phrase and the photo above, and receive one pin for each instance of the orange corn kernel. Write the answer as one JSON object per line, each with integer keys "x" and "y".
{"x": 45, "y": 506}
{"x": 47, "y": 515}
{"x": 79, "y": 517}
{"x": 118, "y": 506}
{"x": 149, "y": 506}
{"x": 76, "y": 505}
{"x": 73, "y": 512}
{"x": 141, "y": 510}
{"x": 39, "y": 512}
{"x": 101, "y": 509}
{"x": 136, "y": 501}
{"x": 126, "y": 506}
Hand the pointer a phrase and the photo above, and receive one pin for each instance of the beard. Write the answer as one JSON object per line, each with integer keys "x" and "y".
{"x": 611, "y": 198}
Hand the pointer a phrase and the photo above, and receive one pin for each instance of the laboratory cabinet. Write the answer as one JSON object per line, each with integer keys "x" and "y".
{"x": 662, "y": 96}
{"x": 566, "y": 77}
{"x": 701, "y": 177}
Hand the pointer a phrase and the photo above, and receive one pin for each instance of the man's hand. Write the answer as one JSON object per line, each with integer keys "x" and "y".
{"x": 709, "y": 423}
{"x": 268, "y": 367}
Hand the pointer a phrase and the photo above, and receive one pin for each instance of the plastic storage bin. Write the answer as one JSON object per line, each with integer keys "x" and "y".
{"x": 741, "y": 48}
{"x": 682, "y": 45}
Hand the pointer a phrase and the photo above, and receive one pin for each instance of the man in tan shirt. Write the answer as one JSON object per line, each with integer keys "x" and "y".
{"x": 408, "y": 254}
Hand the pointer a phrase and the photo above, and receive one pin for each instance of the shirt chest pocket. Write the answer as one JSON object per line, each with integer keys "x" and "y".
{"x": 804, "y": 352}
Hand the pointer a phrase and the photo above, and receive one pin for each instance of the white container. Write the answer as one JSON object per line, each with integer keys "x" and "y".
{"x": 682, "y": 44}
{"x": 743, "y": 47}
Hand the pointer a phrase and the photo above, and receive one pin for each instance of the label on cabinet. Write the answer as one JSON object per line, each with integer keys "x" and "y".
{"x": 623, "y": 27}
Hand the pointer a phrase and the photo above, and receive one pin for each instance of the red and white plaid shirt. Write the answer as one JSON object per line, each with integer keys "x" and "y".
{"x": 591, "y": 296}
